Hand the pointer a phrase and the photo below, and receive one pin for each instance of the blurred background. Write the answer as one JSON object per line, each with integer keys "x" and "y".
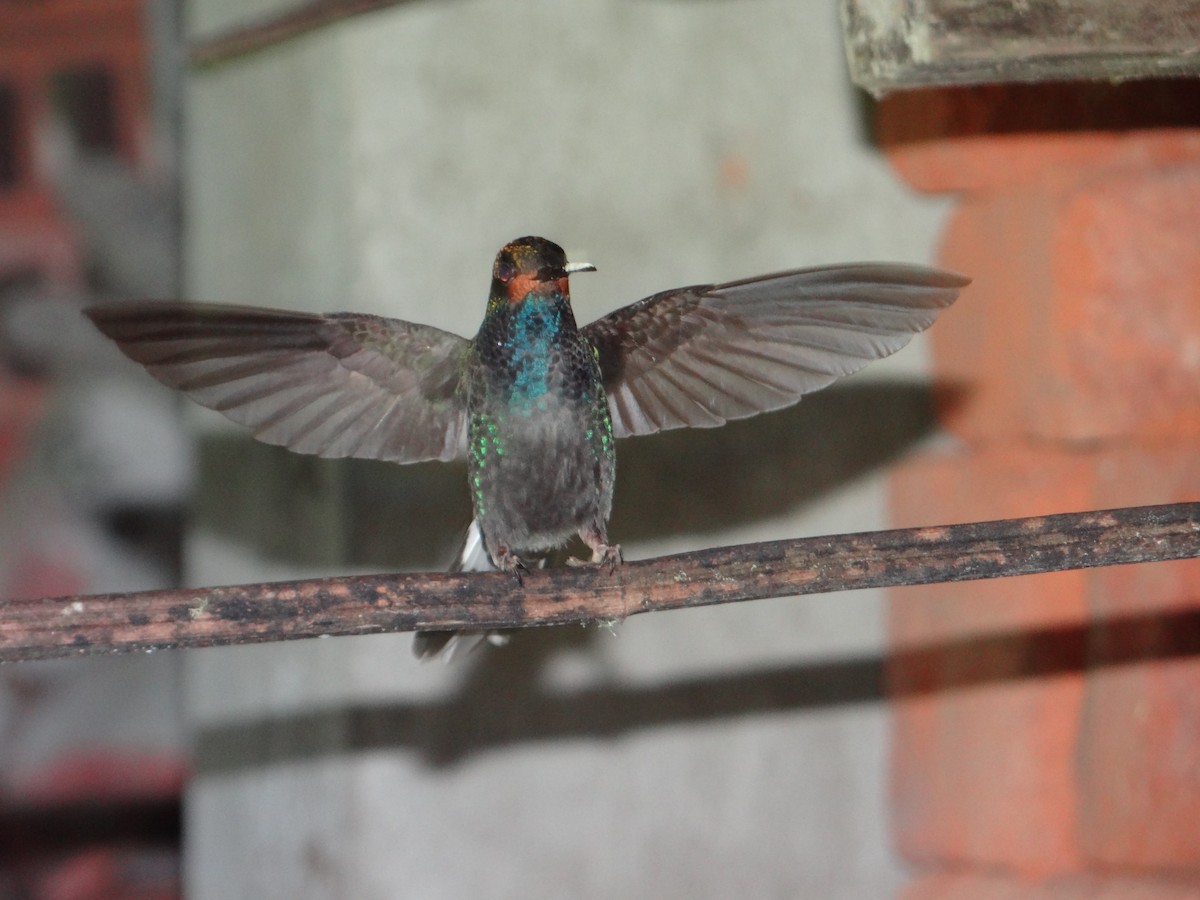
{"x": 96, "y": 470}
{"x": 376, "y": 164}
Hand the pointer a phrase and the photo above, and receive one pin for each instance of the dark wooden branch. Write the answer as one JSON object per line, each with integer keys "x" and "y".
{"x": 278, "y": 28}
{"x": 200, "y": 617}
{"x": 892, "y": 46}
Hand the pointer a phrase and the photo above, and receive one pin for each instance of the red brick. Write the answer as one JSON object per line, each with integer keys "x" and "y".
{"x": 1074, "y": 887}
{"x": 35, "y": 239}
{"x": 99, "y": 774}
{"x": 22, "y": 403}
{"x": 1005, "y": 136}
{"x": 1049, "y": 723}
{"x": 109, "y": 873}
{"x": 986, "y": 677}
{"x": 1083, "y": 321}
{"x": 1140, "y": 739}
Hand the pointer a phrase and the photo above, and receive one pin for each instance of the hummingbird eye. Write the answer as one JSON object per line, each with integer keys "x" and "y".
{"x": 505, "y": 269}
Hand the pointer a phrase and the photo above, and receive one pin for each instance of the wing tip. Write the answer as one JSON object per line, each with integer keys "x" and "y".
{"x": 948, "y": 278}
{"x": 106, "y": 317}
{"x": 916, "y": 275}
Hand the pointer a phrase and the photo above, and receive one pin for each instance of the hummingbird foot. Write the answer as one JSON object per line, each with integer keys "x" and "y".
{"x": 607, "y": 555}
{"x": 603, "y": 553}
{"x": 507, "y": 561}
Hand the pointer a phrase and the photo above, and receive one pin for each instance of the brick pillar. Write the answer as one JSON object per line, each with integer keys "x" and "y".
{"x": 1047, "y": 736}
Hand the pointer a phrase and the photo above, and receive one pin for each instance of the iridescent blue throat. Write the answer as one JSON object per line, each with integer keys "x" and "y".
{"x": 535, "y": 330}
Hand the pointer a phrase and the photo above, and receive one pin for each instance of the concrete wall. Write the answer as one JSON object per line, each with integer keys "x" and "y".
{"x": 377, "y": 165}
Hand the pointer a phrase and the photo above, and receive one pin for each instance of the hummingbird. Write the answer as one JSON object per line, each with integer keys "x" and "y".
{"x": 533, "y": 402}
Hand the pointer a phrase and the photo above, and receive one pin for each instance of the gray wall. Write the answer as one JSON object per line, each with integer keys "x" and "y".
{"x": 377, "y": 165}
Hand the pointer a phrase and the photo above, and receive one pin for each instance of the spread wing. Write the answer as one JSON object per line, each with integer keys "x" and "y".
{"x": 699, "y": 356}
{"x": 333, "y": 385}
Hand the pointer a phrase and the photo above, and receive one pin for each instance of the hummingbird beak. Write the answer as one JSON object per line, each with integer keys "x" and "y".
{"x": 556, "y": 273}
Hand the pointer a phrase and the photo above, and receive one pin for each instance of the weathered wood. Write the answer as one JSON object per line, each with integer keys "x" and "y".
{"x": 160, "y": 620}
{"x": 277, "y": 28}
{"x": 921, "y": 43}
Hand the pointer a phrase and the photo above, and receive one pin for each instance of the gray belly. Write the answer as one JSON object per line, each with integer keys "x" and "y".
{"x": 552, "y": 480}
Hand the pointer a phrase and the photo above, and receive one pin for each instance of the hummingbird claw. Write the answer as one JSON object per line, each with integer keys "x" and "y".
{"x": 607, "y": 555}
{"x": 603, "y": 553}
{"x": 507, "y": 561}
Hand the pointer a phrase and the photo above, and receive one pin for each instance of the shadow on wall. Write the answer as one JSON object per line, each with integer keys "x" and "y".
{"x": 502, "y": 702}
{"x": 914, "y": 117}
{"x": 685, "y": 482}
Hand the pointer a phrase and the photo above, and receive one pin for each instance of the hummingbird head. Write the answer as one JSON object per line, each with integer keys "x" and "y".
{"x": 532, "y": 265}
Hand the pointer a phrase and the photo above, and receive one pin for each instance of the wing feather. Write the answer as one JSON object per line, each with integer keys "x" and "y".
{"x": 700, "y": 356}
{"x": 333, "y": 385}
